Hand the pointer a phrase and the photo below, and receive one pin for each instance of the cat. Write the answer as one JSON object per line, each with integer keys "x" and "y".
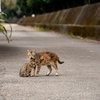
{"x": 25, "y": 70}
{"x": 45, "y": 58}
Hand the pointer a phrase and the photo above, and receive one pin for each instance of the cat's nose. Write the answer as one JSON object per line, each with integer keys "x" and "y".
{"x": 31, "y": 58}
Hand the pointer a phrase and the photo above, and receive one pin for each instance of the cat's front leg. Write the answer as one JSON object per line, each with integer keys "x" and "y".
{"x": 33, "y": 71}
{"x": 28, "y": 74}
{"x": 38, "y": 69}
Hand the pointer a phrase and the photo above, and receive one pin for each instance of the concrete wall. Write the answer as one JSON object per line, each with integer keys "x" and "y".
{"x": 82, "y": 21}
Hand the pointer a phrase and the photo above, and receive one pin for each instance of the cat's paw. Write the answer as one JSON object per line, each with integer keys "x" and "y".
{"x": 28, "y": 76}
{"x": 47, "y": 74}
{"x": 36, "y": 75}
{"x": 56, "y": 74}
{"x": 32, "y": 75}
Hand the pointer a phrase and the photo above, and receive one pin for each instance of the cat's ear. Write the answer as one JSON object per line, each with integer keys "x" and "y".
{"x": 28, "y": 51}
{"x": 34, "y": 51}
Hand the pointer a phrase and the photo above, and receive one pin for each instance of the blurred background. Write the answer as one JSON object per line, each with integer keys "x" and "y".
{"x": 16, "y": 9}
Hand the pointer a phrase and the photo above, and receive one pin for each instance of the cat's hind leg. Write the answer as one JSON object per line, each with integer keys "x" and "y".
{"x": 50, "y": 69}
{"x": 56, "y": 68}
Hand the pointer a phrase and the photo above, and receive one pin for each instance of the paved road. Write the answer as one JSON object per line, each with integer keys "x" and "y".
{"x": 79, "y": 76}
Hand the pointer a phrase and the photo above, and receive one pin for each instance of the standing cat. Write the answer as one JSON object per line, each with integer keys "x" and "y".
{"x": 25, "y": 70}
{"x": 45, "y": 58}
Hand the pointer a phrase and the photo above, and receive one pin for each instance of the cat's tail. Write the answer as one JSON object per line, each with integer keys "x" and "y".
{"x": 60, "y": 62}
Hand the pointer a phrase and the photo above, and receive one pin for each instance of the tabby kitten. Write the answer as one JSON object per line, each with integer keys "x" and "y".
{"x": 25, "y": 70}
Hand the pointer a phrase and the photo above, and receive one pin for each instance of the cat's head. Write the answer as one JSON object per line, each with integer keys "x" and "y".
{"x": 31, "y": 54}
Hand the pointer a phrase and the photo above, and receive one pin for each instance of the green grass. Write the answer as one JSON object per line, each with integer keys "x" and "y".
{"x": 71, "y": 33}
{"x": 40, "y": 28}
{"x": 78, "y": 36}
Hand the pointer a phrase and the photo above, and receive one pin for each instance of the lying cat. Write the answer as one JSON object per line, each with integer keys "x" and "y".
{"x": 45, "y": 58}
{"x": 25, "y": 70}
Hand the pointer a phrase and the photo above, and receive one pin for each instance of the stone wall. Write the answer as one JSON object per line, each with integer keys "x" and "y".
{"x": 81, "y": 21}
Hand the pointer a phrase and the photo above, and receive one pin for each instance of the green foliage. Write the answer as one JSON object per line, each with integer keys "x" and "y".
{"x": 78, "y": 36}
{"x": 28, "y": 7}
{"x": 19, "y": 8}
{"x": 71, "y": 33}
{"x": 3, "y": 30}
{"x": 8, "y": 7}
{"x": 39, "y": 28}
{"x": 66, "y": 33}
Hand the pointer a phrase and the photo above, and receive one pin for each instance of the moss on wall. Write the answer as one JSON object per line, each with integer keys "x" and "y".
{"x": 71, "y": 16}
{"x": 93, "y": 16}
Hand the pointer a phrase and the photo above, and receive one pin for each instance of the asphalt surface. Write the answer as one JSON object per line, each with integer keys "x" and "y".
{"x": 79, "y": 76}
